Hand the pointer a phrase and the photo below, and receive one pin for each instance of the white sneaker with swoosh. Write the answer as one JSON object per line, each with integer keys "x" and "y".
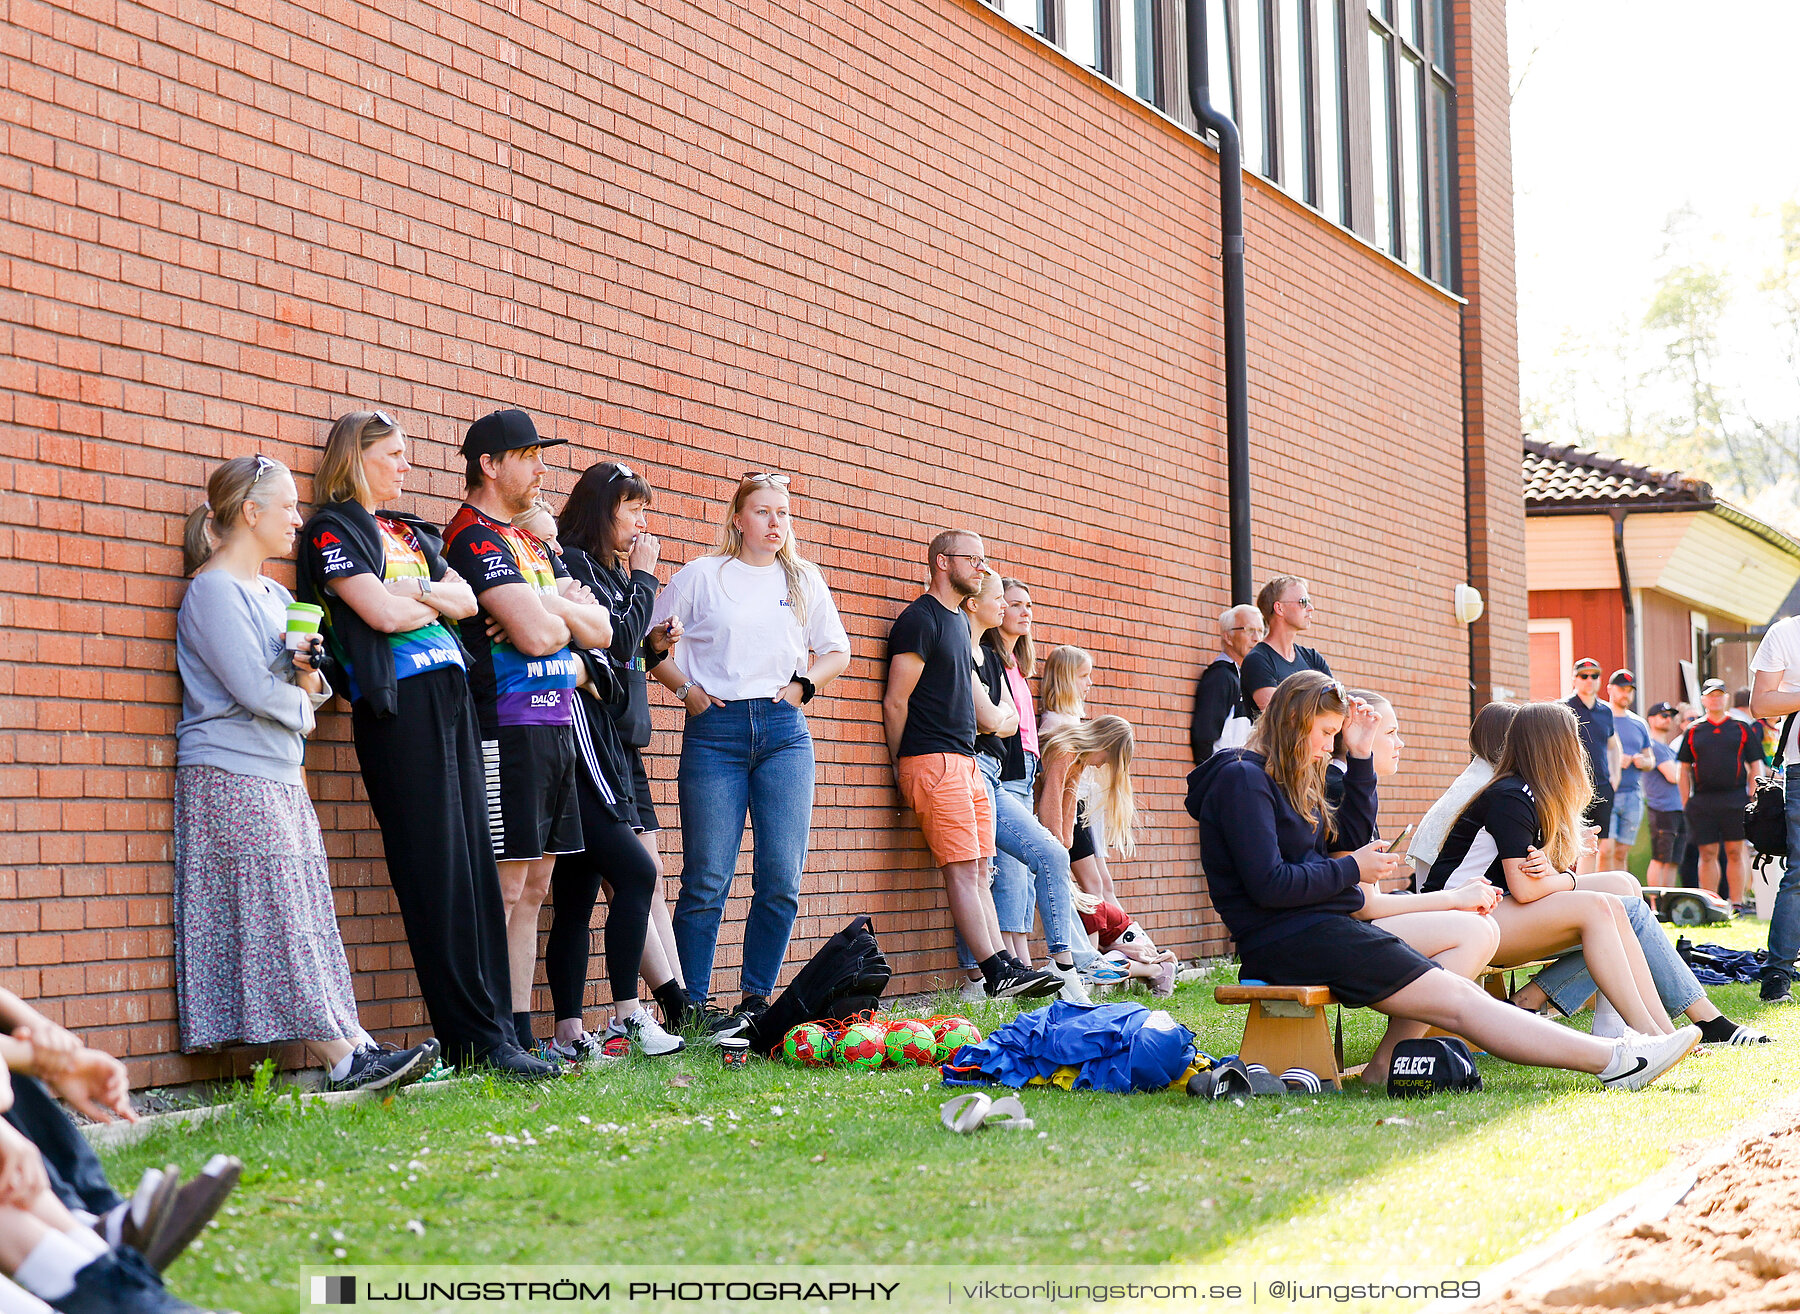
{"x": 1639, "y": 1060}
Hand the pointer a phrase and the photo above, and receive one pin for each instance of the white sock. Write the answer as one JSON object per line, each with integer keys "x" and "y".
{"x": 16, "y": 1300}
{"x": 1616, "y": 1064}
{"x": 89, "y": 1242}
{"x": 1608, "y": 1024}
{"x": 108, "y": 1225}
{"x": 49, "y": 1270}
{"x": 620, "y": 1019}
{"x": 341, "y": 1068}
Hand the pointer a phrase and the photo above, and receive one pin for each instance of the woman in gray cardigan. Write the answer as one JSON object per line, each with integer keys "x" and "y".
{"x": 258, "y": 958}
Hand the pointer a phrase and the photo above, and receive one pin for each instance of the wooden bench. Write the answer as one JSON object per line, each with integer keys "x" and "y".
{"x": 1287, "y": 1028}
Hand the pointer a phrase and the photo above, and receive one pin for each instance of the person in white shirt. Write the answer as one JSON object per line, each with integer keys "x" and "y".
{"x": 1776, "y": 692}
{"x": 760, "y": 636}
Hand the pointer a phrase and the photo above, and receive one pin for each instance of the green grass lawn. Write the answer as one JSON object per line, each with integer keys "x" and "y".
{"x": 679, "y": 1161}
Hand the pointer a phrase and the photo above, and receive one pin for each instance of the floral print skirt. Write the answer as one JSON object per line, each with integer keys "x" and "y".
{"x": 258, "y": 958}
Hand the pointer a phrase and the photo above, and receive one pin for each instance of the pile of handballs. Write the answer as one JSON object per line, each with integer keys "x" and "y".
{"x": 905, "y": 1042}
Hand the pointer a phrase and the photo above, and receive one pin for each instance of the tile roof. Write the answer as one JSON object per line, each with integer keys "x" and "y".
{"x": 1561, "y": 476}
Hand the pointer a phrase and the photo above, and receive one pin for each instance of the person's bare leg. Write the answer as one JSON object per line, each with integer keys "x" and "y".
{"x": 1019, "y": 946}
{"x": 1086, "y": 872}
{"x": 1459, "y": 942}
{"x": 1735, "y": 873}
{"x": 1456, "y": 1004}
{"x": 523, "y": 890}
{"x": 329, "y": 1052}
{"x": 1660, "y": 874}
{"x": 20, "y": 1232}
{"x": 1548, "y": 926}
{"x": 972, "y": 907}
{"x": 1709, "y": 868}
{"x": 1106, "y": 881}
{"x": 661, "y": 963}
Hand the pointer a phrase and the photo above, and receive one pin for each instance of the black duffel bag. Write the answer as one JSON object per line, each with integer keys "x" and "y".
{"x": 1765, "y": 815}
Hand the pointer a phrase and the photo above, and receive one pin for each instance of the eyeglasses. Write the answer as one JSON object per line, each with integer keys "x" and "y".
{"x": 964, "y": 556}
{"x": 1239, "y": 629}
{"x": 770, "y": 478}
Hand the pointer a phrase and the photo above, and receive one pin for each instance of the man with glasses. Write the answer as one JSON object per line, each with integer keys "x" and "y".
{"x": 929, "y": 716}
{"x": 1287, "y": 613}
{"x": 1220, "y": 720}
{"x": 1600, "y": 738}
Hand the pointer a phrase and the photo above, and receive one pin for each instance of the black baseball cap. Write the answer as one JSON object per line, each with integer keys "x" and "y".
{"x": 504, "y": 431}
{"x": 1624, "y": 677}
{"x": 1664, "y": 709}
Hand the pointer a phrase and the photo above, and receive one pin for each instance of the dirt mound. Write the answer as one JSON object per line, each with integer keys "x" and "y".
{"x": 1731, "y": 1246}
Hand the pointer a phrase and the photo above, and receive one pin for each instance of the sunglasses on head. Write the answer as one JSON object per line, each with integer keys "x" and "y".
{"x": 619, "y": 471}
{"x": 769, "y": 477}
{"x": 264, "y": 464}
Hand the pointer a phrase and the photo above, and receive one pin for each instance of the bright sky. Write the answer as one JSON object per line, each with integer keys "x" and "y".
{"x": 1623, "y": 112}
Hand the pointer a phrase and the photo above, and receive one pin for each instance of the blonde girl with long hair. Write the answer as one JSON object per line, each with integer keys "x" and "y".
{"x": 1525, "y": 834}
{"x": 1068, "y": 679}
{"x": 760, "y": 636}
{"x": 1102, "y": 746}
{"x": 1287, "y": 872}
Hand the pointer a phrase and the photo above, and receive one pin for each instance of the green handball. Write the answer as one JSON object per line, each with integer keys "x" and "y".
{"x": 910, "y": 1044}
{"x": 807, "y": 1046}
{"x": 952, "y": 1034}
{"x": 864, "y": 1045}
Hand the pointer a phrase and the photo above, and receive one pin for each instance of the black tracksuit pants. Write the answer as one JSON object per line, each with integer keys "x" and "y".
{"x": 422, "y": 768}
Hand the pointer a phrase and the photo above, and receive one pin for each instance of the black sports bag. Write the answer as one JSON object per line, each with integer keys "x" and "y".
{"x": 1425, "y": 1067}
{"x": 1765, "y": 815}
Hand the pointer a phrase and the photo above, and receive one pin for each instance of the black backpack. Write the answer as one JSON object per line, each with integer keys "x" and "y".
{"x": 1765, "y": 815}
{"x": 1425, "y": 1067}
{"x": 846, "y": 977}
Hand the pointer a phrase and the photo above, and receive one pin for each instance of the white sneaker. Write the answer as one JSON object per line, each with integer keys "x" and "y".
{"x": 972, "y": 991}
{"x": 1639, "y": 1060}
{"x": 1072, "y": 989}
{"x": 647, "y": 1035}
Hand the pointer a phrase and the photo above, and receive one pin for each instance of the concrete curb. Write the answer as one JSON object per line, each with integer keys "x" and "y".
{"x": 110, "y": 1135}
{"x": 1583, "y": 1244}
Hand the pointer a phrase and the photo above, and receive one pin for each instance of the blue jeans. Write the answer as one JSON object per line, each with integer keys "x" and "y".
{"x": 748, "y": 756}
{"x": 1568, "y": 984}
{"x": 1627, "y": 817}
{"x": 1784, "y": 922}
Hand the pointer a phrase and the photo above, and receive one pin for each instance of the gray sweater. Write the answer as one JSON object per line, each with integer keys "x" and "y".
{"x": 240, "y": 709}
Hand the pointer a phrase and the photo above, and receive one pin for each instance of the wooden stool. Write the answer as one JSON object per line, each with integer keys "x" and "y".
{"x": 1286, "y": 1028}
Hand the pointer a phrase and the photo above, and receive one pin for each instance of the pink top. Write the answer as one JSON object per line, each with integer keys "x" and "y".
{"x": 1021, "y": 692}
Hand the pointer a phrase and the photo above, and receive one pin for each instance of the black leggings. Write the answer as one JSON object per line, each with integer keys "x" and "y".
{"x": 614, "y": 855}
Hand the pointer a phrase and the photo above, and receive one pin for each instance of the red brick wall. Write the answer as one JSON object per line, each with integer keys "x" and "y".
{"x": 901, "y": 250}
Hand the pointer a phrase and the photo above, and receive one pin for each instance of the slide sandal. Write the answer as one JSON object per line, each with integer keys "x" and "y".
{"x": 971, "y": 1112}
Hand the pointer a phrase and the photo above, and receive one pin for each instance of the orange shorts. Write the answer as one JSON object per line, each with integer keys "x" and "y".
{"x": 945, "y": 789}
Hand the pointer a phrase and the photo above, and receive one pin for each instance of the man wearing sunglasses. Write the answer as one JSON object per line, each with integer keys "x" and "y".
{"x": 1287, "y": 613}
{"x": 1599, "y": 736}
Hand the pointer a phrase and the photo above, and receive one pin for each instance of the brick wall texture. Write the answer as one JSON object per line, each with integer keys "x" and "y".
{"x": 904, "y": 251}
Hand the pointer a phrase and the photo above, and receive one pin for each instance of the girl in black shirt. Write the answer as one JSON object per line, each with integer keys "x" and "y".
{"x": 1524, "y": 833}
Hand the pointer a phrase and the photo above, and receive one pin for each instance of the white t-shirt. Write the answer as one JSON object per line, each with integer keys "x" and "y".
{"x": 1780, "y": 651}
{"x": 739, "y": 636}
{"x": 1440, "y": 817}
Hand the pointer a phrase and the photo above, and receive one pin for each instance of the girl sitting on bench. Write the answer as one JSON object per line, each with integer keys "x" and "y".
{"x": 1266, "y": 836}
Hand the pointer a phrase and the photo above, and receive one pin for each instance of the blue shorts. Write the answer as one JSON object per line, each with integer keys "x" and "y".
{"x": 1627, "y": 816}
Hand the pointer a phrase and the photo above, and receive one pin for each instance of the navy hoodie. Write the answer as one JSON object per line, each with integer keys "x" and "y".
{"x": 1267, "y": 867}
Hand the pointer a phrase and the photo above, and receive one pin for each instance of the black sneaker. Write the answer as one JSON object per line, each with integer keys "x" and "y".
{"x": 1777, "y": 989}
{"x": 511, "y": 1063}
{"x": 1022, "y": 983}
{"x": 120, "y": 1282}
{"x": 739, "y": 1019}
{"x": 379, "y": 1067}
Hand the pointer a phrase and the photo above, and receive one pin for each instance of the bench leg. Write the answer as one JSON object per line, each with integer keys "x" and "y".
{"x": 1280, "y": 1035}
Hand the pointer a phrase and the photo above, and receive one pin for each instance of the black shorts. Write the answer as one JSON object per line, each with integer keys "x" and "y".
{"x": 1668, "y": 836}
{"x": 1599, "y": 813}
{"x": 1716, "y": 818}
{"x": 640, "y": 792}
{"x": 1081, "y": 843}
{"x": 533, "y": 808}
{"x": 1360, "y": 962}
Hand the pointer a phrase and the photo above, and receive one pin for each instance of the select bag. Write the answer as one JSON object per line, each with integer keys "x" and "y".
{"x": 1425, "y": 1067}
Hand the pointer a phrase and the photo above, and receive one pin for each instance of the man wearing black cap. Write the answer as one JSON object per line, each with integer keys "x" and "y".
{"x": 1634, "y": 751}
{"x": 1723, "y": 758}
{"x": 523, "y": 676}
{"x": 1602, "y": 744}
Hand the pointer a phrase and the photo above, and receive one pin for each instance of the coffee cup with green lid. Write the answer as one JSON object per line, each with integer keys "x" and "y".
{"x": 303, "y": 621}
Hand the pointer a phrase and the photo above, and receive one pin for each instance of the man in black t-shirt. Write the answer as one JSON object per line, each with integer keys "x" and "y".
{"x": 1219, "y": 717}
{"x": 1287, "y": 612}
{"x": 1722, "y": 758}
{"x": 929, "y": 716}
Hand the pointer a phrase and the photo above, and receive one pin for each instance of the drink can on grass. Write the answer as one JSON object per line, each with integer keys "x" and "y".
{"x": 734, "y": 1052}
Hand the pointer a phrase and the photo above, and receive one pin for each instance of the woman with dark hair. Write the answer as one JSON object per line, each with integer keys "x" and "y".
{"x": 1487, "y": 740}
{"x": 1266, "y": 839}
{"x": 387, "y": 593}
{"x": 760, "y": 637}
{"x": 606, "y": 519}
{"x": 258, "y": 957}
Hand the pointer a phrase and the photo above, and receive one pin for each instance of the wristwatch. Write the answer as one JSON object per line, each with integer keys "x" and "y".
{"x": 424, "y": 585}
{"x": 682, "y": 693}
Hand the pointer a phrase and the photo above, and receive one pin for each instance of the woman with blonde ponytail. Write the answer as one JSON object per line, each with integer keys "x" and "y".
{"x": 258, "y": 958}
{"x": 1267, "y": 840}
{"x": 760, "y": 637}
{"x": 1525, "y": 833}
